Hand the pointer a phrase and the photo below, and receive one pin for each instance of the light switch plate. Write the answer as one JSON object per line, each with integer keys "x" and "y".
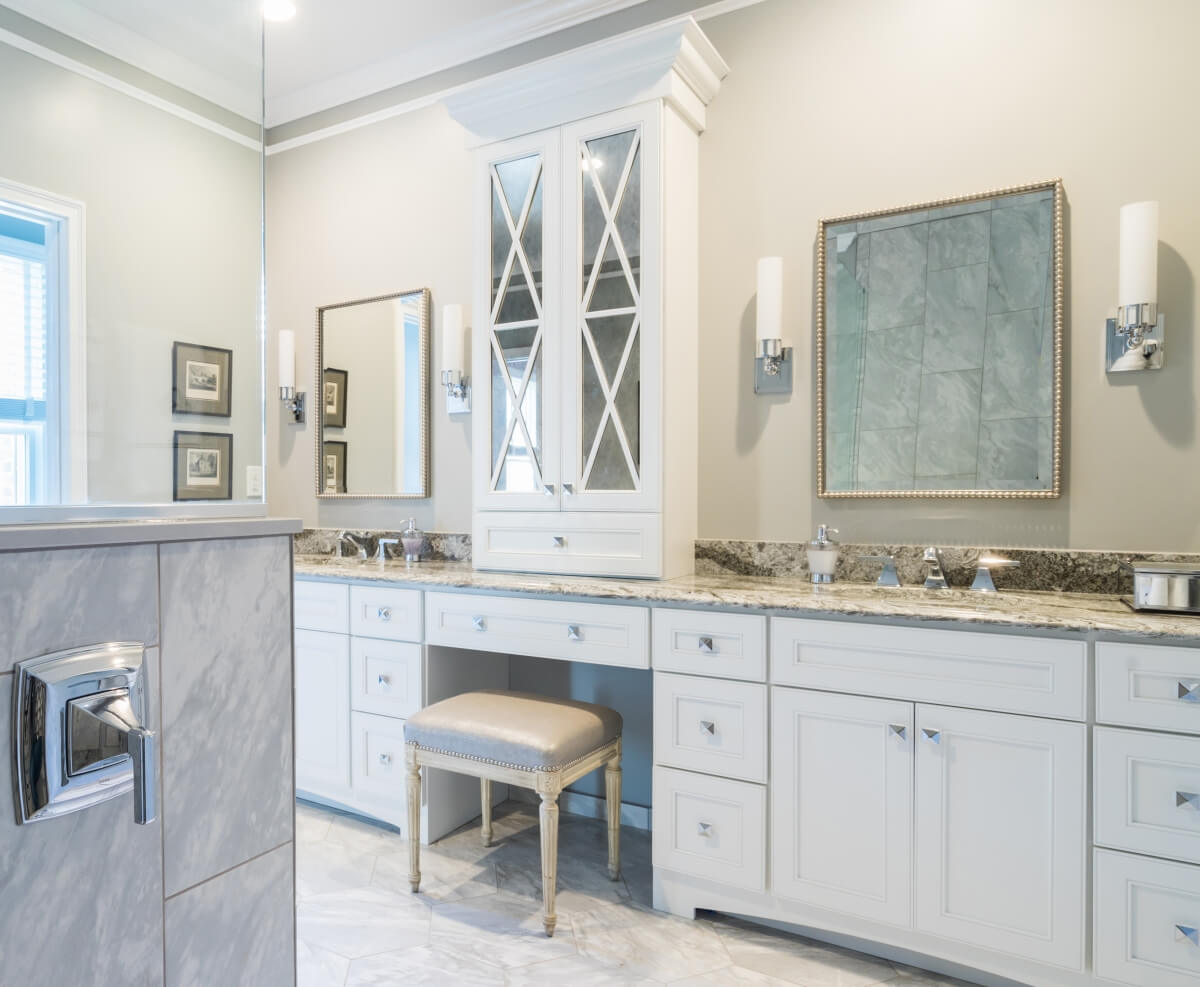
{"x": 253, "y": 481}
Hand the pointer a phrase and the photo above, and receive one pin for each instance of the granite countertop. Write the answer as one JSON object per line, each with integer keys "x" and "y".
{"x": 1079, "y": 612}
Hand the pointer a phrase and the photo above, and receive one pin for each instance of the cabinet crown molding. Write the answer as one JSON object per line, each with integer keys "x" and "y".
{"x": 673, "y": 61}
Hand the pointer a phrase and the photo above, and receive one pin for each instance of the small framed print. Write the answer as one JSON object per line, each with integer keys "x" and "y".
{"x": 201, "y": 380}
{"x": 203, "y": 466}
{"x": 333, "y": 467}
{"x": 333, "y": 398}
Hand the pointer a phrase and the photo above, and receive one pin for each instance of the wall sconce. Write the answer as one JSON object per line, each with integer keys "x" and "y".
{"x": 1134, "y": 339}
{"x": 772, "y": 357}
{"x": 292, "y": 399}
{"x": 454, "y": 361}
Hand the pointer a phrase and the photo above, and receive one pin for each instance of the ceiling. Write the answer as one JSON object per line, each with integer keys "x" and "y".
{"x": 331, "y": 52}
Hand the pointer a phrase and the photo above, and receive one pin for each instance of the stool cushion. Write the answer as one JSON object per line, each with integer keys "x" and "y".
{"x": 514, "y": 729}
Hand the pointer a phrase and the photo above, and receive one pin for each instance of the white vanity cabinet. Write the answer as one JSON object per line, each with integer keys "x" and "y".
{"x": 586, "y": 303}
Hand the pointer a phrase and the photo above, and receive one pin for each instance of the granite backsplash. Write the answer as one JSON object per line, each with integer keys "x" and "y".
{"x": 440, "y": 546}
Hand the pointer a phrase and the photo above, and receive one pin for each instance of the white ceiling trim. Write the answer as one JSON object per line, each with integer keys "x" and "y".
{"x": 91, "y": 28}
{"x": 533, "y": 19}
{"x": 121, "y": 86}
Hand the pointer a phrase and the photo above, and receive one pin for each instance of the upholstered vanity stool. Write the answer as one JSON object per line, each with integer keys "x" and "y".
{"x": 517, "y": 739}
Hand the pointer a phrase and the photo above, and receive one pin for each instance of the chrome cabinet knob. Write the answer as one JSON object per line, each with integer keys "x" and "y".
{"x": 384, "y": 613}
{"x": 706, "y": 646}
{"x": 706, "y": 830}
{"x": 385, "y": 759}
{"x": 899, "y": 730}
{"x": 548, "y": 489}
{"x": 479, "y": 623}
{"x": 709, "y": 727}
{"x": 1189, "y": 692}
{"x": 384, "y": 680}
{"x": 568, "y": 488}
{"x": 1187, "y": 933}
{"x": 933, "y": 736}
{"x": 560, "y": 541}
{"x": 574, "y": 633}
{"x": 1187, "y": 800}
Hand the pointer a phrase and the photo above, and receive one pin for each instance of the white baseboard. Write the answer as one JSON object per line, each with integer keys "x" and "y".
{"x": 589, "y": 806}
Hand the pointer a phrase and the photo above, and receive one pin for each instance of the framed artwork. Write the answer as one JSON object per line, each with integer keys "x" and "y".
{"x": 333, "y": 388}
{"x": 203, "y": 466}
{"x": 333, "y": 467}
{"x": 201, "y": 380}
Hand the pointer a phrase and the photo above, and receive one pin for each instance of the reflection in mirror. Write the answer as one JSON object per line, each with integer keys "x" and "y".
{"x": 373, "y": 397}
{"x": 939, "y": 342}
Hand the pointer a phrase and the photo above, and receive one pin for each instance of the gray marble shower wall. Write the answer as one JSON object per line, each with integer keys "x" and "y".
{"x": 940, "y": 348}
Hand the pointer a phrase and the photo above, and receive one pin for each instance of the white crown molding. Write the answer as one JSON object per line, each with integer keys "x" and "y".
{"x": 121, "y": 86}
{"x": 484, "y": 36}
{"x": 673, "y": 61}
{"x": 107, "y": 35}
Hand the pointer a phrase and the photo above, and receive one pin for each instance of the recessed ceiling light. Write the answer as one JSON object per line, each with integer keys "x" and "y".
{"x": 279, "y": 10}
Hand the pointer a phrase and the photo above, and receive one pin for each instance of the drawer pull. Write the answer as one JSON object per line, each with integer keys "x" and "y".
{"x": 479, "y": 623}
{"x": 933, "y": 736}
{"x": 384, "y": 613}
{"x": 707, "y": 831}
{"x": 568, "y": 488}
{"x": 1185, "y": 933}
{"x": 899, "y": 729}
{"x": 574, "y": 633}
{"x": 1189, "y": 692}
{"x": 385, "y": 759}
{"x": 1187, "y": 798}
{"x": 708, "y": 727}
{"x": 384, "y": 680}
{"x": 706, "y": 646}
{"x": 548, "y": 489}
{"x": 560, "y": 541}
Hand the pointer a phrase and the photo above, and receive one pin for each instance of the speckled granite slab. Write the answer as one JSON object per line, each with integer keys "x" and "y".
{"x": 1036, "y": 611}
{"x": 1041, "y": 570}
{"x": 440, "y": 546}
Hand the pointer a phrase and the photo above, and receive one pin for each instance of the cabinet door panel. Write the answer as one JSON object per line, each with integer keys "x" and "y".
{"x": 611, "y": 310}
{"x": 516, "y": 349}
{"x": 1001, "y": 832}
{"x": 322, "y": 713}
{"x": 841, "y": 794}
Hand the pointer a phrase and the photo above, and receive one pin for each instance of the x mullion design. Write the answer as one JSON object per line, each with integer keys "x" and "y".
{"x": 518, "y": 400}
{"x": 515, "y": 251}
{"x": 610, "y": 228}
{"x": 610, "y": 397}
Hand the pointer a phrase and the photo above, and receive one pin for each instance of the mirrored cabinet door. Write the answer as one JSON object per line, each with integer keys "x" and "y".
{"x": 611, "y": 310}
{"x": 519, "y": 364}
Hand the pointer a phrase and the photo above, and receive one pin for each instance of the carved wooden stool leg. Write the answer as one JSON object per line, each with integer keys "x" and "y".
{"x": 612, "y": 789}
{"x": 414, "y": 823}
{"x": 485, "y": 796}
{"x": 548, "y": 817}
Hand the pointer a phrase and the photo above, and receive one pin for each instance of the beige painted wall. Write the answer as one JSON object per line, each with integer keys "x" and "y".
{"x": 828, "y": 109}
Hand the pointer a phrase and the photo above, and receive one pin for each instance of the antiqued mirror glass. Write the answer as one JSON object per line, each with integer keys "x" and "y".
{"x": 372, "y": 397}
{"x": 939, "y": 348}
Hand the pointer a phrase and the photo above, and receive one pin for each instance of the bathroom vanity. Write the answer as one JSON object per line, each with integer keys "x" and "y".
{"x": 1006, "y": 783}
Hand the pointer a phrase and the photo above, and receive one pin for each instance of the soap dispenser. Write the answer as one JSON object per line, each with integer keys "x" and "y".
{"x": 413, "y": 540}
{"x": 823, "y": 555}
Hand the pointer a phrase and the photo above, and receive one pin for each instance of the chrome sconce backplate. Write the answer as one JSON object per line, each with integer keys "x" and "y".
{"x": 65, "y": 756}
{"x": 1133, "y": 340}
{"x": 773, "y": 367}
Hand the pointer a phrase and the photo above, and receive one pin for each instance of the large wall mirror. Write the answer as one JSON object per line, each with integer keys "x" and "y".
{"x": 939, "y": 348}
{"x": 372, "y": 397}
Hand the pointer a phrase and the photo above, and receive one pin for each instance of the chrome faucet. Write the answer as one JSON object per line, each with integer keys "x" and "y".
{"x": 345, "y": 536}
{"x": 935, "y": 577}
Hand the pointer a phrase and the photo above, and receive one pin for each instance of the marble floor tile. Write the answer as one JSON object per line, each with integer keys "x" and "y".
{"x": 443, "y": 877}
{"x": 732, "y": 976}
{"x": 311, "y": 823}
{"x": 648, "y": 944}
{"x": 797, "y": 960}
{"x": 423, "y": 965}
{"x": 911, "y": 976}
{"x": 319, "y": 967}
{"x": 327, "y": 867}
{"x": 505, "y": 928}
{"x": 577, "y": 971}
{"x": 582, "y": 884}
{"x": 363, "y": 921}
{"x": 364, "y": 836}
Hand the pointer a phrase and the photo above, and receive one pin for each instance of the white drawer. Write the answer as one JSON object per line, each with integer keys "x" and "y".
{"x": 377, "y": 760}
{"x": 608, "y": 634}
{"x": 712, "y": 726}
{"x": 321, "y": 606}
{"x": 1147, "y": 793}
{"x": 699, "y": 642}
{"x": 711, "y": 828}
{"x": 591, "y": 543}
{"x": 385, "y": 677}
{"x": 1148, "y": 685}
{"x": 1005, "y": 672}
{"x": 385, "y": 611}
{"x": 1147, "y": 914}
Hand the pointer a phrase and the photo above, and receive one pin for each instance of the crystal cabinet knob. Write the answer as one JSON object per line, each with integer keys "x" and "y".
{"x": 574, "y": 633}
{"x": 1187, "y": 933}
{"x": 933, "y": 736}
{"x": 385, "y": 759}
{"x": 384, "y": 614}
{"x": 1189, "y": 692}
{"x": 706, "y": 830}
{"x": 384, "y": 680}
{"x": 479, "y": 623}
{"x": 709, "y": 727}
{"x": 706, "y": 646}
{"x": 899, "y": 730}
{"x": 560, "y": 541}
{"x": 1187, "y": 800}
